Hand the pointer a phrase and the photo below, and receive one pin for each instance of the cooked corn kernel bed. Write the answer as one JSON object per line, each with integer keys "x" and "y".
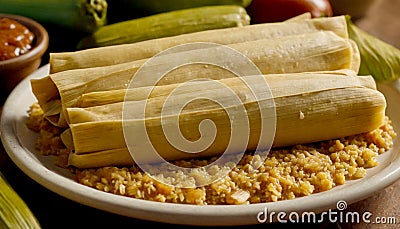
{"x": 287, "y": 173}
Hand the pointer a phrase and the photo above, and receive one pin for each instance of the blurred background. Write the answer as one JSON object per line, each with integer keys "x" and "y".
{"x": 378, "y": 17}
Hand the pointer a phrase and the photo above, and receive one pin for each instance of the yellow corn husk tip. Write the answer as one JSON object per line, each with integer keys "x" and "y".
{"x": 14, "y": 213}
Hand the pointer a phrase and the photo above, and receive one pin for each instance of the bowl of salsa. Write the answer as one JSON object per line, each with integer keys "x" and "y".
{"x": 23, "y": 42}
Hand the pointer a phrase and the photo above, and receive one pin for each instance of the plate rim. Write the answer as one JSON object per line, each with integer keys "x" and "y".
{"x": 184, "y": 214}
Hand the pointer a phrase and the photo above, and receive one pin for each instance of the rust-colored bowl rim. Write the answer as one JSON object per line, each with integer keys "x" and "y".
{"x": 40, "y": 46}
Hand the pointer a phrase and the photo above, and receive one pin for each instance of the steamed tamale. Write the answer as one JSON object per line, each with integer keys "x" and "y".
{"x": 141, "y": 50}
{"x": 316, "y": 51}
{"x": 309, "y": 107}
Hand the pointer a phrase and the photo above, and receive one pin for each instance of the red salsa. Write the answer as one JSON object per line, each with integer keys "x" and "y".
{"x": 15, "y": 39}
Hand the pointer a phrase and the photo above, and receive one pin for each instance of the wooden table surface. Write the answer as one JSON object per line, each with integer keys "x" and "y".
{"x": 53, "y": 211}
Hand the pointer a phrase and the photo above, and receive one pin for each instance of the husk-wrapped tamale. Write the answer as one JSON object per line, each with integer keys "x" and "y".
{"x": 309, "y": 107}
{"x": 117, "y": 54}
{"x": 316, "y": 51}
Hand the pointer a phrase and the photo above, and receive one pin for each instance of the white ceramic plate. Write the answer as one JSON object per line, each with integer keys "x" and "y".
{"x": 19, "y": 144}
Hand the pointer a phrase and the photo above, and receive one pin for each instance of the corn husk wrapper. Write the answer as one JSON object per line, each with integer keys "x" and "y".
{"x": 317, "y": 51}
{"x": 141, "y": 50}
{"x": 317, "y": 106}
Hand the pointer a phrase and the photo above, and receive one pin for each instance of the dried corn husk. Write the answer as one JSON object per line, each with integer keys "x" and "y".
{"x": 129, "y": 52}
{"x": 317, "y": 51}
{"x": 98, "y": 98}
{"x": 309, "y": 107}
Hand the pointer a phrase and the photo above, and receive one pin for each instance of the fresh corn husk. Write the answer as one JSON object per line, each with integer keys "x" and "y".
{"x": 310, "y": 107}
{"x": 318, "y": 51}
{"x": 14, "y": 213}
{"x": 167, "y": 24}
{"x": 378, "y": 58}
{"x": 80, "y": 15}
{"x": 129, "y": 52}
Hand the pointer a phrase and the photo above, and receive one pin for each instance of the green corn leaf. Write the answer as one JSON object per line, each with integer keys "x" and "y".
{"x": 14, "y": 213}
{"x": 378, "y": 58}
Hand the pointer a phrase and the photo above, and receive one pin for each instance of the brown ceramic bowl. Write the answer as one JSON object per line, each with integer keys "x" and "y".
{"x": 13, "y": 70}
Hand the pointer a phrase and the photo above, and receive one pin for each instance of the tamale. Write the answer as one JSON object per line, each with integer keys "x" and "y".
{"x": 297, "y": 53}
{"x": 141, "y": 50}
{"x": 98, "y": 98}
{"x": 309, "y": 107}
{"x": 278, "y": 86}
